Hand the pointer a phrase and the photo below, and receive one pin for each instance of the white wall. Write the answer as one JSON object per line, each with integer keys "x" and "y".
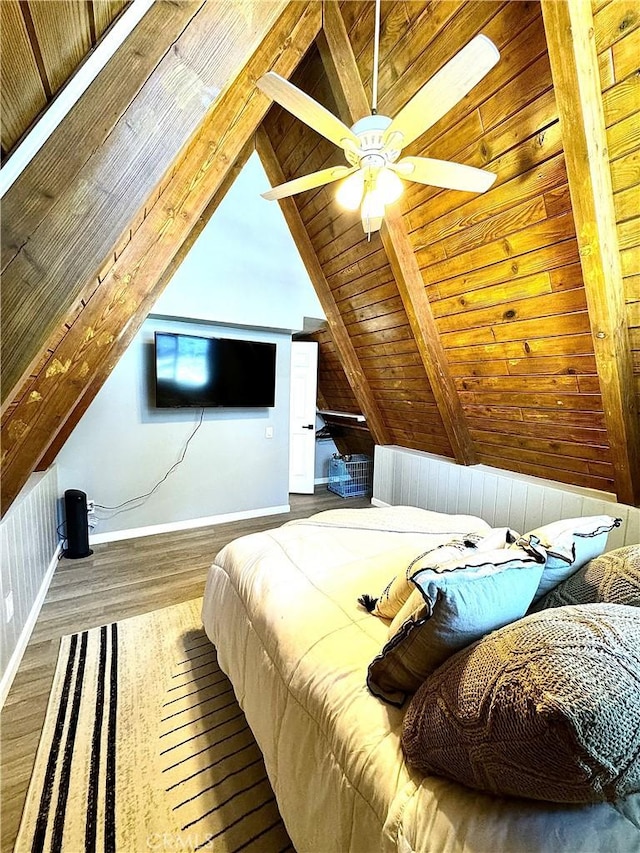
{"x": 28, "y": 549}
{"x": 415, "y": 478}
{"x": 244, "y": 267}
{"x": 123, "y": 445}
{"x": 242, "y": 278}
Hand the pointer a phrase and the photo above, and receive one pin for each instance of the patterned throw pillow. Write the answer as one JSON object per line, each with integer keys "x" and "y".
{"x": 399, "y": 588}
{"x": 546, "y": 708}
{"x": 565, "y": 546}
{"x": 454, "y": 605}
{"x": 498, "y": 537}
{"x": 611, "y": 578}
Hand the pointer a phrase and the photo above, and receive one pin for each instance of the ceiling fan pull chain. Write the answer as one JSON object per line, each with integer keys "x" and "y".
{"x": 376, "y": 47}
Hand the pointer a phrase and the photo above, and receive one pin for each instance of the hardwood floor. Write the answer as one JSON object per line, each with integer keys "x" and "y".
{"x": 119, "y": 580}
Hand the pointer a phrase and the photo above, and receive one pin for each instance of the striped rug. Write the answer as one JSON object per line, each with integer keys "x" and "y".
{"x": 145, "y": 748}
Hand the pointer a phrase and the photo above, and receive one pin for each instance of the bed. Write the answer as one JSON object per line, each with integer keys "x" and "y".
{"x": 282, "y": 609}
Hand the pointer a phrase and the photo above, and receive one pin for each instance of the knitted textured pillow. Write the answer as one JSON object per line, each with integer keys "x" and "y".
{"x": 546, "y": 708}
{"x": 611, "y": 578}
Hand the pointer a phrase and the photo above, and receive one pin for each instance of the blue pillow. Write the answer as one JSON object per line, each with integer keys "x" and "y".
{"x": 453, "y": 605}
{"x": 567, "y": 545}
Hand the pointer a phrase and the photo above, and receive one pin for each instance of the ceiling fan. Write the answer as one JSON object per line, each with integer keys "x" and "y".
{"x": 372, "y": 146}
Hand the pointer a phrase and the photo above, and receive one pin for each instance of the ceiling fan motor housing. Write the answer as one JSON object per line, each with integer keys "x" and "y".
{"x": 370, "y": 131}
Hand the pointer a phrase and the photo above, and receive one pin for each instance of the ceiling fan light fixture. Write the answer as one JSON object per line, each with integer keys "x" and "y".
{"x": 372, "y": 205}
{"x": 388, "y": 186}
{"x": 349, "y": 194}
{"x": 372, "y": 211}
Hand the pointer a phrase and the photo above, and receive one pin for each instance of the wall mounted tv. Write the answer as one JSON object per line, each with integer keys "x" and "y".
{"x": 192, "y": 371}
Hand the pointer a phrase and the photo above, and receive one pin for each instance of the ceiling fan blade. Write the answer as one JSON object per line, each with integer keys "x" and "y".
{"x": 306, "y": 109}
{"x": 308, "y": 182}
{"x": 444, "y": 89}
{"x": 442, "y": 173}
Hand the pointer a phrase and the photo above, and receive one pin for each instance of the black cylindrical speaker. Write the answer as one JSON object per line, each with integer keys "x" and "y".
{"x": 75, "y": 513}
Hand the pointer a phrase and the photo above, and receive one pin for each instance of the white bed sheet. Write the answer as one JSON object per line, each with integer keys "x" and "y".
{"x": 281, "y": 608}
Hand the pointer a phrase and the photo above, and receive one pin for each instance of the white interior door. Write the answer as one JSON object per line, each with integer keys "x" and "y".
{"x": 302, "y": 418}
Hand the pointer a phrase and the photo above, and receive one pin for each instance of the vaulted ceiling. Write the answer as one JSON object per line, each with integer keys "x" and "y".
{"x": 502, "y": 328}
{"x": 43, "y": 43}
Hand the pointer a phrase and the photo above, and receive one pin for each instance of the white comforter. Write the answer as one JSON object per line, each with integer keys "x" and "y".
{"x": 281, "y": 608}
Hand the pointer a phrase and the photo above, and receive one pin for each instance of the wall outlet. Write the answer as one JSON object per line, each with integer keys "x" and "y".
{"x": 91, "y": 505}
{"x": 8, "y": 607}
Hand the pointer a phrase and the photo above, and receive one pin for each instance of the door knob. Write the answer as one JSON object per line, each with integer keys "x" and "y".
{"x": 307, "y": 426}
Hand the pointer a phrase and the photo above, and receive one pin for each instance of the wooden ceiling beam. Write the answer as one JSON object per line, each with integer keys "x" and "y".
{"x": 85, "y": 129}
{"x": 574, "y": 66}
{"x": 342, "y": 70}
{"x": 110, "y": 319}
{"x": 348, "y": 356}
{"x": 47, "y": 277}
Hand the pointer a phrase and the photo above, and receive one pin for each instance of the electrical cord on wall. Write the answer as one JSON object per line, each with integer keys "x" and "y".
{"x": 62, "y": 537}
{"x": 161, "y": 481}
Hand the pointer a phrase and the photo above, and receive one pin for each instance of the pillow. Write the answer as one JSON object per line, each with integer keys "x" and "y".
{"x": 398, "y": 590}
{"x": 612, "y": 578}
{"x": 453, "y": 605}
{"x": 565, "y": 546}
{"x": 547, "y": 708}
{"x": 496, "y": 539}
{"x": 396, "y": 593}
{"x": 499, "y": 537}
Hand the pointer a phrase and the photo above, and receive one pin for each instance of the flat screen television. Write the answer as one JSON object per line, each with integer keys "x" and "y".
{"x": 194, "y": 372}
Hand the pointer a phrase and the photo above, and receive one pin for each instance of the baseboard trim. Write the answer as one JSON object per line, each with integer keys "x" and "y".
{"x": 378, "y": 502}
{"x": 321, "y": 481}
{"x": 189, "y": 524}
{"x": 25, "y": 635}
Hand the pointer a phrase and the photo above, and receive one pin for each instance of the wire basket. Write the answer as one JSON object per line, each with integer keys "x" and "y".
{"x": 350, "y": 476}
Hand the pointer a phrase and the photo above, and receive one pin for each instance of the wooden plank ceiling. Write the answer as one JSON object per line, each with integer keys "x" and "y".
{"x": 463, "y": 329}
{"x": 42, "y": 43}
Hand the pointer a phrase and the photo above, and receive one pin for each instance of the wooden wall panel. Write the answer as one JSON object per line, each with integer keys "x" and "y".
{"x": 22, "y": 92}
{"x": 501, "y": 269}
{"x": 617, "y": 34}
{"x": 335, "y": 394}
{"x": 104, "y": 13}
{"x": 333, "y": 386}
{"x": 42, "y": 43}
{"x": 93, "y": 213}
{"x": 360, "y": 279}
{"x": 342, "y": 69}
{"x": 576, "y": 72}
{"x": 56, "y": 165}
{"x": 63, "y": 35}
{"x": 126, "y": 290}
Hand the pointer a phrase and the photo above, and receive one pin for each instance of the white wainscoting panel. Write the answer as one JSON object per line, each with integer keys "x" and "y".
{"x": 413, "y": 478}
{"x": 29, "y": 546}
